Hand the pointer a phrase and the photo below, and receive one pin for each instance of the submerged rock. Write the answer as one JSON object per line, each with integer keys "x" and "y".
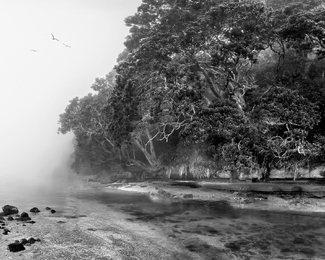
{"x": 48, "y": 208}
{"x": 164, "y": 193}
{"x": 188, "y": 196}
{"x": 232, "y": 246}
{"x": 9, "y": 210}
{"x": 296, "y": 190}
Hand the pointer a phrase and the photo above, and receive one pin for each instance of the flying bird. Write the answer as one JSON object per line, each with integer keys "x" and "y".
{"x": 53, "y": 38}
{"x": 34, "y": 50}
{"x": 66, "y": 45}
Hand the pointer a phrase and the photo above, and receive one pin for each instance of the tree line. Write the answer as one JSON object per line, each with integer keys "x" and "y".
{"x": 242, "y": 82}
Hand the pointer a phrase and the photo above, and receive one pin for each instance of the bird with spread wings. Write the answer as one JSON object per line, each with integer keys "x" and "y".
{"x": 55, "y": 39}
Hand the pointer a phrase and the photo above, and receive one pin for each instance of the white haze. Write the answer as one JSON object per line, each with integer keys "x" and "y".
{"x": 37, "y": 86}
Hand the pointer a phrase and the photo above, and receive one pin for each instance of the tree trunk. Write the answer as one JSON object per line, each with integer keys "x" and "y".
{"x": 150, "y": 156}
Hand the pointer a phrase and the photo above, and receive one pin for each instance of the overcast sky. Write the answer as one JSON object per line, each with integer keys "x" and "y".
{"x": 36, "y": 86}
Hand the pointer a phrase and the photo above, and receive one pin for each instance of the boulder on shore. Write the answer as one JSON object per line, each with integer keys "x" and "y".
{"x": 9, "y": 210}
{"x": 35, "y": 210}
{"x": 16, "y": 247}
{"x": 24, "y": 217}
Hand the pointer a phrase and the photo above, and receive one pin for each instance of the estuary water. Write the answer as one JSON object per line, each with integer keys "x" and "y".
{"x": 205, "y": 228}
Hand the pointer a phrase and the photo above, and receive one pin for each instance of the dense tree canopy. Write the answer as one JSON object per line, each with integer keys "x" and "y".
{"x": 243, "y": 80}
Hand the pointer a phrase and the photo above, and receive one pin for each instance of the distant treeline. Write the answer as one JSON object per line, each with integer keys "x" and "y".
{"x": 242, "y": 82}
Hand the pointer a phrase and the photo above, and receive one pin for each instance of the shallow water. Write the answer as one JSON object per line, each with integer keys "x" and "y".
{"x": 206, "y": 228}
{"x": 53, "y": 192}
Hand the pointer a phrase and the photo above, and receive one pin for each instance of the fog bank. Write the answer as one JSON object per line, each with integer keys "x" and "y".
{"x": 40, "y": 75}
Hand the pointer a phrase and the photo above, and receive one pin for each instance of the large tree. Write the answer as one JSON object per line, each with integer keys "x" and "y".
{"x": 84, "y": 117}
{"x": 183, "y": 55}
{"x": 237, "y": 77}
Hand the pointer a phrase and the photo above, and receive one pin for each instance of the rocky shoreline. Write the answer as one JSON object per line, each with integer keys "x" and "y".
{"x": 9, "y": 216}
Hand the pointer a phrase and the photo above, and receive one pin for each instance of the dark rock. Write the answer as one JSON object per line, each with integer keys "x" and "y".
{"x": 10, "y": 218}
{"x": 298, "y": 240}
{"x": 48, "y": 208}
{"x": 232, "y": 246}
{"x": 31, "y": 240}
{"x": 35, "y": 210}
{"x": 16, "y": 247}
{"x": 24, "y": 217}
{"x": 188, "y": 196}
{"x": 24, "y": 241}
{"x": 307, "y": 251}
{"x": 53, "y": 211}
{"x": 254, "y": 179}
{"x": 286, "y": 250}
{"x": 30, "y": 222}
{"x": 9, "y": 210}
{"x": 5, "y": 231}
